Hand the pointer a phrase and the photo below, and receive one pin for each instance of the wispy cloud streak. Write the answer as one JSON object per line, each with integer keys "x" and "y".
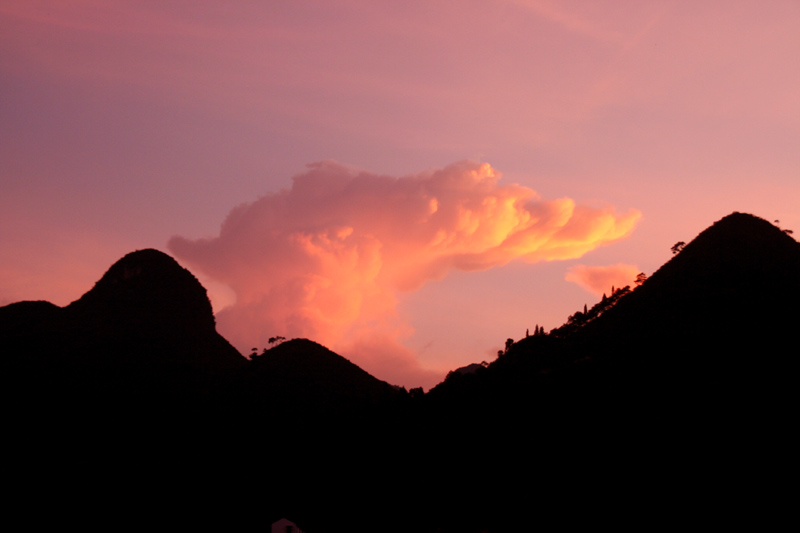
{"x": 599, "y": 279}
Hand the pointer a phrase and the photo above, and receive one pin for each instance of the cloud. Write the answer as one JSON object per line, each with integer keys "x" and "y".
{"x": 599, "y": 279}
{"x": 328, "y": 258}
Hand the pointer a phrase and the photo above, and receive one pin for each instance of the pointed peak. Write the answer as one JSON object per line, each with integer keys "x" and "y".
{"x": 746, "y": 223}
{"x": 742, "y": 233}
{"x": 742, "y": 220}
{"x": 737, "y": 249}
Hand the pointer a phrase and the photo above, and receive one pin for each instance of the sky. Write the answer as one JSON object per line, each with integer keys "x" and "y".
{"x": 408, "y": 183}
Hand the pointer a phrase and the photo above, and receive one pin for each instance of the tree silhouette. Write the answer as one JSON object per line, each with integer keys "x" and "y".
{"x": 641, "y": 278}
{"x": 509, "y": 343}
{"x": 677, "y": 247}
{"x": 416, "y": 392}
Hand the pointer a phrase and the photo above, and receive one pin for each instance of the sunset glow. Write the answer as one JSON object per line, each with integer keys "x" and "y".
{"x": 329, "y": 258}
{"x": 410, "y": 184}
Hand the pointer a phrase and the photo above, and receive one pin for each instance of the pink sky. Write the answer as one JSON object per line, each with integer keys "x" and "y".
{"x": 124, "y": 125}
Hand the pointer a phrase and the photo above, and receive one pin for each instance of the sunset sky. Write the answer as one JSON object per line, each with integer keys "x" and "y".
{"x": 409, "y": 183}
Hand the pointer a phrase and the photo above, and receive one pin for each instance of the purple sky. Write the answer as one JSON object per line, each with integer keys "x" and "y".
{"x": 125, "y": 124}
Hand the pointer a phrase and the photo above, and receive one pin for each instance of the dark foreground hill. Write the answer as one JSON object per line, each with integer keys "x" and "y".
{"x": 145, "y": 332}
{"x": 682, "y": 386}
{"x": 720, "y": 317}
{"x": 133, "y": 382}
{"x": 300, "y": 378}
{"x": 144, "y": 340}
{"x": 687, "y": 381}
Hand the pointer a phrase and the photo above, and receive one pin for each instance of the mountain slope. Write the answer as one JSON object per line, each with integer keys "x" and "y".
{"x": 724, "y": 309}
{"x": 148, "y": 304}
{"x": 686, "y": 386}
{"x": 742, "y": 269}
{"x": 302, "y": 378}
{"x": 144, "y": 332}
{"x": 719, "y": 315}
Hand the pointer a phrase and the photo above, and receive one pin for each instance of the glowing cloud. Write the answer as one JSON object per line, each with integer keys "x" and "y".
{"x": 599, "y": 279}
{"x": 328, "y": 258}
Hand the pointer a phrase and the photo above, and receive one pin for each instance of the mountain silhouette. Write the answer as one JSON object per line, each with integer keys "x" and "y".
{"x": 740, "y": 272}
{"x": 683, "y": 383}
{"x": 690, "y": 372}
{"x": 720, "y": 314}
{"x": 149, "y": 291}
{"x": 159, "y": 309}
{"x": 301, "y": 376}
{"x": 146, "y": 331}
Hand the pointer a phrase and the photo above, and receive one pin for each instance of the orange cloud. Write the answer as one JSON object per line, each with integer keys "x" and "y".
{"x": 328, "y": 258}
{"x": 599, "y": 279}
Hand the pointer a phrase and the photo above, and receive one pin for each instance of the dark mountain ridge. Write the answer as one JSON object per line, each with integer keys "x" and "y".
{"x": 737, "y": 280}
{"x": 327, "y": 381}
{"x": 671, "y": 377}
{"x": 146, "y": 331}
{"x": 148, "y": 289}
{"x": 740, "y": 267}
{"x": 720, "y": 315}
{"x": 726, "y": 304}
{"x": 686, "y": 383}
{"x": 144, "y": 340}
